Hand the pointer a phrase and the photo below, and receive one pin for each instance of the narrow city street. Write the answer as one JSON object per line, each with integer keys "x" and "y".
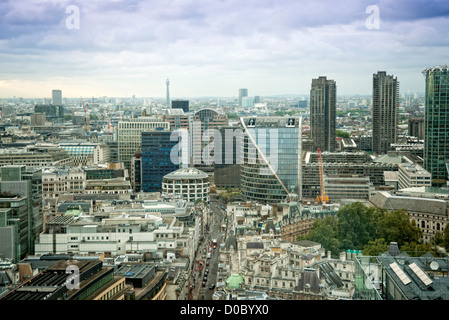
{"x": 205, "y": 278}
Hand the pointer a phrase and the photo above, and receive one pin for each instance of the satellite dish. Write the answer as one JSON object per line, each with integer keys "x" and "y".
{"x": 434, "y": 265}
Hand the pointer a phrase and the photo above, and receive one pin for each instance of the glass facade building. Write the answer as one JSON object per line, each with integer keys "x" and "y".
{"x": 227, "y": 168}
{"x": 436, "y": 124}
{"x": 271, "y": 158}
{"x": 156, "y": 161}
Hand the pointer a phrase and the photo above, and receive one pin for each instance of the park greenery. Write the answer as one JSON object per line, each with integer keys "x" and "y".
{"x": 371, "y": 230}
{"x": 342, "y": 134}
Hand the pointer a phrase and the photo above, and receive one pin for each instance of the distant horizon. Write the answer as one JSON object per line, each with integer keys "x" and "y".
{"x": 88, "y": 98}
{"x": 212, "y": 48}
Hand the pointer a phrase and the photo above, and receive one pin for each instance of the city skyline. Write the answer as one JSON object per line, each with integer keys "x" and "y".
{"x": 213, "y": 48}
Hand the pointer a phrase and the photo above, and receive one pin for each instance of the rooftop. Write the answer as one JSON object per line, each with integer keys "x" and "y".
{"x": 186, "y": 173}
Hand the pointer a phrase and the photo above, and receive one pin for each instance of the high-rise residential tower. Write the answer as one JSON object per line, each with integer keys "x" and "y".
{"x": 436, "y": 124}
{"x": 56, "y": 97}
{"x": 323, "y": 98}
{"x": 242, "y": 93}
{"x": 384, "y": 113}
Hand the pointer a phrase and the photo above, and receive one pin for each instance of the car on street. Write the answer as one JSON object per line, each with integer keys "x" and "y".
{"x": 203, "y": 284}
{"x": 212, "y": 287}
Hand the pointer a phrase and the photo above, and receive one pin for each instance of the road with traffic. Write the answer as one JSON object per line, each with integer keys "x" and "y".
{"x": 205, "y": 278}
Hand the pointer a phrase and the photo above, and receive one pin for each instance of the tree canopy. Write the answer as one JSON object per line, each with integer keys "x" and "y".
{"x": 358, "y": 227}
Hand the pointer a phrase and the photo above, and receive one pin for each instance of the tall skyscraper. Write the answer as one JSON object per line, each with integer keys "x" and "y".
{"x": 323, "y": 98}
{"x": 168, "y": 93}
{"x": 242, "y": 93}
{"x": 384, "y": 113}
{"x": 57, "y": 97}
{"x": 157, "y": 161}
{"x": 271, "y": 158}
{"x": 436, "y": 124}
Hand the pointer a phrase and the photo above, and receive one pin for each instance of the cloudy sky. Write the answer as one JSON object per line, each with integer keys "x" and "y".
{"x": 214, "y": 47}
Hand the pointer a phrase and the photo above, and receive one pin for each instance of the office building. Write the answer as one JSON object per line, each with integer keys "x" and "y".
{"x": 436, "y": 124}
{"x": 416, "y": 128}
{"x": 21, "y": 189}
{"x": 203, "y": 123}
{"x": 160, "y": 156}
{"x": 94, "y": 282}
{"x": 323, "y": 98}
{"x": 85, "y": 154}
{"x": 51, "y": 111}
{"x": 189, "y": 184}
{"x": 56, "y": 97}
{"x": 227, "y": 169}
{"x": 242, "y": 93}
{"x": 348, "y": 186}
{"x": 413, "y": 175}
{"x": 271, "y": 158}
{"x": 129, "y": 136}
{"x": 337, "y": 163}
{"x": 427, "y": 213}
{"x": 59, "y": 181}
{"x": 37, "y": 119}
{"x": 14, "y": 230}
{"x": 180, "y": 104}
{"x": 247, "y": 102}
{"x": 136, "y": 172}
{"x": 385, "y": 111}
{"x": 177, "y": 119}
{"x": 113, "y": 151}
{"x": 35, "y": 156}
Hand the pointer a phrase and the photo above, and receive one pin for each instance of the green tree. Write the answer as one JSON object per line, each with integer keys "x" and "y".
{"x": 397, "y": 227}
{"x": 445, "y": 242}
{"x": 342, "y": 134}
{"x": 324, "y": 232}
{"x": 357, "y": 225}
{"x": 417, "y": 249}
{"x": 375, "y": 247}
{"x": 438, "y": 239}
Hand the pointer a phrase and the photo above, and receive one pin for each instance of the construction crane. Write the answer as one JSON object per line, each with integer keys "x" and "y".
{"x": 322, "y": 198}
